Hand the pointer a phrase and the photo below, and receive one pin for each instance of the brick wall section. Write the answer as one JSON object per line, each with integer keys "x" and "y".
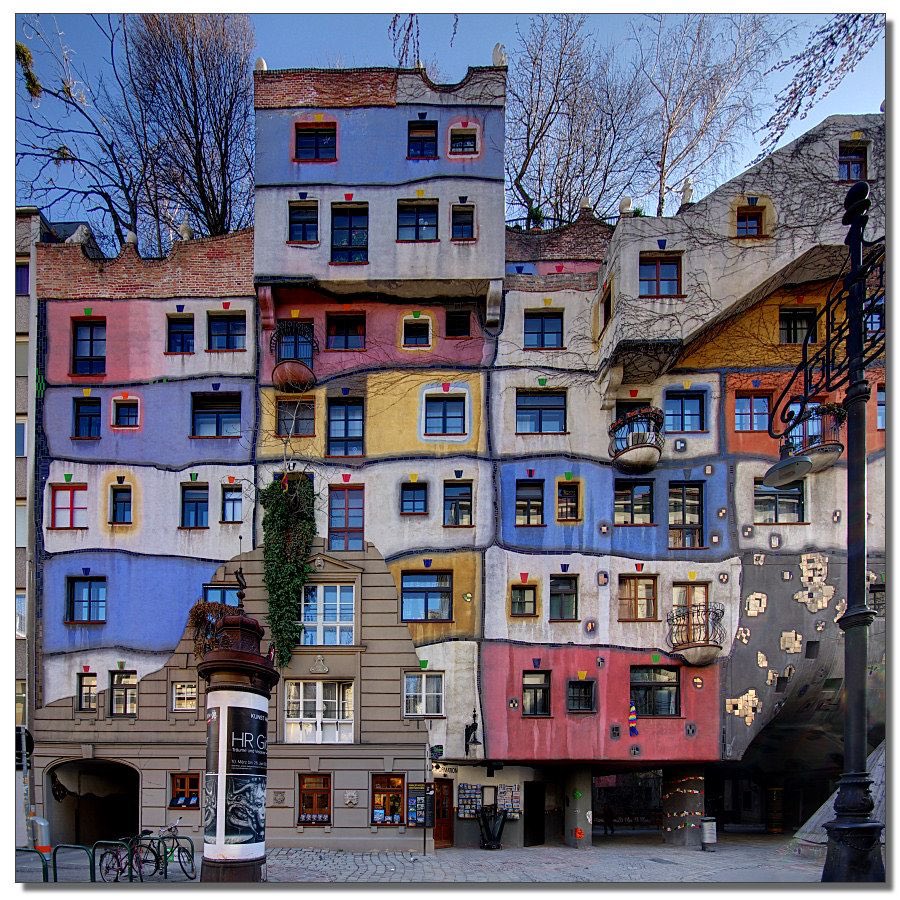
{"x": 586, "y": 238}
{"x": 207, "y": 267}
{"x": 321, "y": 88}
{"x": 586, "y": 281}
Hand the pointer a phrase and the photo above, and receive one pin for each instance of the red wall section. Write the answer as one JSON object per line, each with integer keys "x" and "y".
{"x": 585, "y": 736}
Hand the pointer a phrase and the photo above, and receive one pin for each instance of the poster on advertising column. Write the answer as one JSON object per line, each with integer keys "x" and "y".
{"x": 246, "y": 759}
{"x": 211, "y": 778}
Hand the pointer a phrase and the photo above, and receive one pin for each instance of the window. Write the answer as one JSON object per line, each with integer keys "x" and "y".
{"x": 21, "y": 433}
{"x": 463, "y": 142}
{"x": 543, "y": 330}
{"x": 316, "y": 142}
{"x": 69, "y": 506}
{"x": 874, "y": 318}
{"x": 295, "y": 341}
{"x": 654, "y": 691}
{"x": 89, "y": 347}
{"x": 184, "y": 696}
{"x": 345, "y": 428}
{"x": 215, "y": 415}
{"x": 86, "y": 696}
{"x": 387, "y": 799}
{"x": 346, "y": 332}
{"x": 462, "y": 223}
{"x": 413, "y": 499}
{"x": 125, "y": 413}
{"x": 219, "y": 593}
{"x": 750, "y": 222}
{"x": 540, "y": 412}
{"x": 751, "y": 412}
{"x": 232, "y": 504}
{"x": 318, "y": 712}
{"x": 580, "y": 696}
{"x": 180, "y": 334}
{"x": 21, "y": 701}
{"x": 529, "y": 503}
{"x": 795, "y": 324}
{"x": 185, "y": 791}
{"x": 458, "y": 504}
{"x": 296, "y": 418}
{"x": 327, "y": 615}
{"x": 777, "y": 505}
{"x": 23, "y": 273}
{"x": 227, "y": 332}
{"x": 315, "y": 800}
{"x": 523, "y": 600}
{"x": 423, "y": 694}
{"x": 637, "y": 598}
{"x": 563, "y": 598}
{"x": 685, "y": 515}
{"x": 21, "y": 361}
{"x": 633, "y": 503}
{"x": 417, "y": 221}
{"x": 426, "y": 596}
{"x": 458, "y": 324}
{"x": 349, "y": 233}
{"x": 21, "y": 615}
{"x": 120, "y": 506}
{"x": 685, "y": 412}
{"x": 808, "y": 431}
{"x": 852, "y": 162}
{"x": 87, "y": 419}
{"x": 303, "y": 222}
{"x": 194, "y": 507}
{"x": 535, "y": 693}
{"x": 345, "y": 518}
{"x": 445, "y": 415}
{"x": 422, "y": 140}
{"x": 660, "y": 276}
{"x": 21, "y": 524}
{"x": 567, "y": 507}
{"x": 690, "y": 603}
{"x": 416, "y": 333}
{"x": 123, "y": 699}
{"x": 881, "y": 408}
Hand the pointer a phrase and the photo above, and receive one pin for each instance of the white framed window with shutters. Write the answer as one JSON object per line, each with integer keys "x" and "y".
{"x": 328, "y": 614}
{"x": 423, "y": 694}
{"x": 318, "y": 712}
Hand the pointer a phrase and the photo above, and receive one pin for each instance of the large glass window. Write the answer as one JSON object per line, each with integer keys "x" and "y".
{"x": 529, "y": 502}
{"x": 795, "y": 324}
{"x": 633, "y": 502}
{"x": 423, "y": 694}
{"x": 180, "y": 334}
{"x": 345, "y": 428}
{"x": 417, "y": 221}
{"x": 194, "y": 506}
{"x": 318, "y": 712}
{"x": 777, "y": 505}
{"x": 458, "y": 503}
{"x": 315, "y": 800}
{"x": 543, "y": 330}
{"x": 328, "y": 614}
{"x": 345, "y": 517}
{"x": 660, "y": 276}
{"x": 227, "y": 332}
{"x": 751, "y": 412}
{"x": 563, "y": 598}
{"x": 349, "y": 233}
{"x": 684, "y": 411}
{"x": 89, "y": 347}
{"x": 86, "y": 418}
{"x": 69, "y": 506}
{"x": 426, "y": 596}
{"x": 215, "y": 415}
{"x": 445, "y": 415}
{"x": 316, "y": 142}
{"x": 422, "y": 140}
{"x": 535, "y": 693}
{"x": 637, "y": 598}
{"x": 387, "y": 799}
{"x": 655, "y": 691}
{"x": 346, "y": 332}
{"x": 303, "y": 222}
{"x": 123, "y": 693}
{"x": 685, "y": 514}
{"x": 540, "y": 412}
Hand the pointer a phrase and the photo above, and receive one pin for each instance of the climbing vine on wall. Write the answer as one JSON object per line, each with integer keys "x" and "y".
{"x": 289, "y": 526}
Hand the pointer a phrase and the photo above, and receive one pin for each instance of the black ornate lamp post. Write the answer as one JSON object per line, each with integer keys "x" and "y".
{"x": 850, "y": 343}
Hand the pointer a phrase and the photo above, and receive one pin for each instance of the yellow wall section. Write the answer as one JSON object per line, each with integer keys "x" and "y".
{"x": 107, "y": 483}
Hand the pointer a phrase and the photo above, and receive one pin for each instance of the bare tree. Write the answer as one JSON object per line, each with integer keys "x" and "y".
{"x": 404, "y": 32}
{"x": 831, "y": 53}
{"x": 706, "y": 81}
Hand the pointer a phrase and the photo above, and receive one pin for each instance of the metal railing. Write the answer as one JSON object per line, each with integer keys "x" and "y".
{"x": 818, "y": 426}
{"x": 696, "y": 625}
{"x": 636, "y": 429}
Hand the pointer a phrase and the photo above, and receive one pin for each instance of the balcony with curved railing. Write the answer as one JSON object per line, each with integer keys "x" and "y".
{"x": 637, "y": 440}
{"x": 294, "y": 345}
{"x": 696, "y": 632}
{"x": 818, "y": 435}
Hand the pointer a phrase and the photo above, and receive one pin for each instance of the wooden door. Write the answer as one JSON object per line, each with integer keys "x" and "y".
{"x": 443, "y": 813}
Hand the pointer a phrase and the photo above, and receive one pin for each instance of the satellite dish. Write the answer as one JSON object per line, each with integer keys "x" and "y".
{"x": 787, "y": 470}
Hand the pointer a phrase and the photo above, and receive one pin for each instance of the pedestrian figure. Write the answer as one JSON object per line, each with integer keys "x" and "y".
{"x": 609, "y": 820}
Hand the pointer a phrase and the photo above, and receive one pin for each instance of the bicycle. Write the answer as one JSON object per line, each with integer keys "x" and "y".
{"x": 167, "y": 848}
{"x": 137, "y": 856}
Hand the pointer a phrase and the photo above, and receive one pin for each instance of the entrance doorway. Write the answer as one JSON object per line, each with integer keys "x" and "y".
{"x": 443, "y": 813}
{"x": 91, "y": 800}
{"x": 533, "y": 807}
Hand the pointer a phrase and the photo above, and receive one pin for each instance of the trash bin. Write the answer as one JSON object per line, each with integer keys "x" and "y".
{"x": 40, "y": 830}
{"x": 708, "y": 833}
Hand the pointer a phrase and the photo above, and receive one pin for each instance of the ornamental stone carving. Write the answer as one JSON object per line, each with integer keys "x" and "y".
{"x": 351, "y": 798}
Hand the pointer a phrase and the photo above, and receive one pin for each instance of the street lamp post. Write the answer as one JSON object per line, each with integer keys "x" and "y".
{"x": 854, "y": 840}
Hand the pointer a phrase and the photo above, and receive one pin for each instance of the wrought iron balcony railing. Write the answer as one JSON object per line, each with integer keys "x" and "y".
{"x": 818, "y": 435}
{"x": 696, "y": 625}
{"x": 637, "y": 440}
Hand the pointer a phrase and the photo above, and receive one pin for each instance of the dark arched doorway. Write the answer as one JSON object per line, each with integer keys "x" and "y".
{"x": 90, "y": 800}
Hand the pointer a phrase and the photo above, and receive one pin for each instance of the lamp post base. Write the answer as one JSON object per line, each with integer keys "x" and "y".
{"x": 232, "y": 871}
{"x": 854, "y": 852}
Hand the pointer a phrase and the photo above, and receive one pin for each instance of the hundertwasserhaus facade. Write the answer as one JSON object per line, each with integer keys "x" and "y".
{"x": 547, "y": 574}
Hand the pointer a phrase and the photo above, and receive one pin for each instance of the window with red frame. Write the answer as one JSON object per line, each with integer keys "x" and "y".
{"x": 69, "y": 506}
{"x": 750, "y": 222}
{"x": 185, "y": 791}
{"x": 660, "y": 276}
{"x": 345, "y": 518}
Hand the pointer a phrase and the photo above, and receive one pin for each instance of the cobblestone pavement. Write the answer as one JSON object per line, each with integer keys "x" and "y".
{"x": 632, "y": 859}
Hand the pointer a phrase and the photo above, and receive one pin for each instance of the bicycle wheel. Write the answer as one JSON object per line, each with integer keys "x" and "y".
{"x": 186, "y": 861}
{"x": 109, "y": 866}
{"x": 145, "y": 861}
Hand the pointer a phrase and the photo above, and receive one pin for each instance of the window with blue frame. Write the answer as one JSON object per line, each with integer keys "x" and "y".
{"x": 295, "y": 341}
{"x": 685, "y": 411}
{"x": 86, "y": 418}
{"x": 316, "y": 143}
{"x": 221, "y": 593}
{"x": 194, "y": 506}
{"x": 86, "y": 599}
{"x": 540, "y": 412}
{"x": 303, "y": 222}
{"x": 413, "y": 499}
{"x": 543, "y": 330}
{"x": 345, "y": 428}
{"x": 426, "y": 596}
{"x": 89, "y": 347}
{"x": 445, "y": 415}
{"x": 180, "y": 334}
{"x": 227, "y": 332}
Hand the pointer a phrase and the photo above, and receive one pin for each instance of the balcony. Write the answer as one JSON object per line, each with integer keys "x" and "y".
{"x": 637, "y": 440}
{"x": 696, "y": 632}
{"x": 818, "y": 436}
{"x": 293, "y": 345}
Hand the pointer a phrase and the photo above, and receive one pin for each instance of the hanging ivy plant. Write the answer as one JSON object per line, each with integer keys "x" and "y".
{"x": 289, "y": 527}
{"x": 203, "y": 618}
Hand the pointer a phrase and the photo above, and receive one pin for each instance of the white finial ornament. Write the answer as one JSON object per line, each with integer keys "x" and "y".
{"x": 130, "y": 237}
{"x": 185, "y": 230}
{"x": 499, "y": 57}
{"x": 687, "y": 190}
{"x": 625, "y": 206}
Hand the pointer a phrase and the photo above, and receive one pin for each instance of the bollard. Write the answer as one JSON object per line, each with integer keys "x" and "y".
{"x": 40, "y": 831}
{"x": 708, "y": 833}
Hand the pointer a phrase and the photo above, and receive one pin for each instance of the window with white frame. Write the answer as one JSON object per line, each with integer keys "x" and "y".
{"x": 423, "y": 694}
{"x": 327, "y": 615}
{"x": 318, "y": 712}
{"x": 184, "y": 696}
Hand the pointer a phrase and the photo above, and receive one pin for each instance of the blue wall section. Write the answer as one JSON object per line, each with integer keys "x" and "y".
{"x": 147, "y": 600}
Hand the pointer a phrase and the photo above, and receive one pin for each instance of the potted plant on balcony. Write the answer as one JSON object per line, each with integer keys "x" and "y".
{"x": 823, "y": 445}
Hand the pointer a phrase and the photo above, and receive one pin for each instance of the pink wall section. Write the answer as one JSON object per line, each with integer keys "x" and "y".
{"x": 551, "y": 267}
{"x": 585, "y": 736}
